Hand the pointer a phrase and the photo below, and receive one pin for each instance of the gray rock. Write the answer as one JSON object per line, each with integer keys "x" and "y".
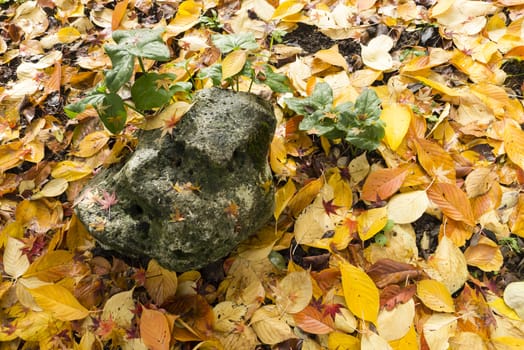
{"x": 188, "y": 199}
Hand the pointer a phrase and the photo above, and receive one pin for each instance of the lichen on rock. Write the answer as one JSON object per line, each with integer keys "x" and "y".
{"x": 188, "y": 199}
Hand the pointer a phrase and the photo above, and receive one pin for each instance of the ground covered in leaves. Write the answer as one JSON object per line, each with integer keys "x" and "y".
{"x": 406, "y": 237}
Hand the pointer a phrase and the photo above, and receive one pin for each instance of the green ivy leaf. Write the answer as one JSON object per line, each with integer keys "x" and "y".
{"x": 231, "y": 42}
{"x": 112, "y": 112}
{"x": 144, "y": 42}
{"x": 367, "y": 137}
{"x": 123, "y": 68}
{"x": 154, "y": 90}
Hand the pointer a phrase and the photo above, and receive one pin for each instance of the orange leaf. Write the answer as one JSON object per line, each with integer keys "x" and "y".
{"x": 383, "y": 183}
{"x": 453, "y": 202}
{"x": 233, "y": 63}
{"x": 514, "y": 143}
{"x": 154, "y": 330}
{"x": 435, "y": 160}
{"x": 313, "y": 321}
{"x": 118, "y": 14}
{"x": 485, "y": 255}
{"x": 387, "y": 271}
{"x": 333, "y": 57}
{"x": 457, "y": 231}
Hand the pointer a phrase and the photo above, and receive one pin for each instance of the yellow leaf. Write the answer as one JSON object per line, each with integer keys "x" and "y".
{"x": 371, "y": 222}
{"x": 408, "y": 342}
{"x": 397, "y": 118}
{"x": 448, "y": 265}
{"x": 36, "y": 326}
{"x": 67, "y": 35}
{"x": 119, "y": 308}
{"x": 514, "y": 143}
{"x": 294, "y": 292}
{"x": 500, "y": 307}
{"x": 161, "y": 284}
{"x": 228, "y": 315}
{"x": 233, "y": 63}
{"x": 405, "y": 208}
{"x": 485, "y": 255}
{"x": 51, "y": 266}
{"x": 288, "y": 8}
{"x": 360, "y": 292}
{"x": 154, "y": 330}
{"x": 282, "y": 197}
{"x": 342, "y": 341}
{"x": 15, "y": 262}
{"x": 435, "y": 295}
{"x": 71, "y": 170}
{"x": 333, "y": 57}
{"x": 91, "y": 144}
{"x": 188, "y": 14}
{"x": 342, "y": 191}
{"x": 304, "y": 196}
{"x": 269, "y": 326}
{"x": 58, "y": 301}
{"x": 453, "y": 92}
{"x": 53, "y": 188}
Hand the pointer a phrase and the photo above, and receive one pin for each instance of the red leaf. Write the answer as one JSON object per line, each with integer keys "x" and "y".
{"x": 313, "y": 321}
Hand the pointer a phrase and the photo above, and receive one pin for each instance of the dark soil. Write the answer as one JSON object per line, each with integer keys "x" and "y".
{"x": 515, "y": 76}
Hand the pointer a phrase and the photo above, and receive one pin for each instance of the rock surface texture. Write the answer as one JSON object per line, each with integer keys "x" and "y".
{"x": 188, "y": 199}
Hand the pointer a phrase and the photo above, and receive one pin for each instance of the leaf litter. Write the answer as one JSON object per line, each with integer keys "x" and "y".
{"x": 408, "y": 239}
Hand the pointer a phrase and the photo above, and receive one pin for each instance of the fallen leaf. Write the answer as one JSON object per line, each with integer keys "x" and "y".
{"x": 453, "y": 202}
{"x": 58, "y": 301}
{"x": 395, "y": 324}
{"x": 383, "y": 183}
{"x": 283, "y": 196}
{"x": 294, "y": 292}
{"x": 376, "y": 53}
{"x": 361, "y": 294}
{"x": 435, "y": 295}
{"x": 405, "y": 208}
{"x": 370, "y": 222}
{"x": 312, "y": 321}
{"x": 269, "y": 325}
{"x": 397, "y": 118}
{"x": 233, "y": 63}
{"x": 485, "y": 255}
{"x": 161, "y": 284}
{"x": 154, "y": 329}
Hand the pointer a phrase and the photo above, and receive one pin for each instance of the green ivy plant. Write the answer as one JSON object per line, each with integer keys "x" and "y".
{"x": 358, "y": 123}
{"x": 254, "y": 67}
{"x": 151, "y": 90}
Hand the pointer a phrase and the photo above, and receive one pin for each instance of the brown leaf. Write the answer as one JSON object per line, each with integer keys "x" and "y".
{"x": 383, "y": 183}
{"x": 453, "y": 202}
{"x": 160, "y": 283}
{"x": 394, "y": 294}
{"x": 154, "y": 330}
{"x": 387, "y": 271}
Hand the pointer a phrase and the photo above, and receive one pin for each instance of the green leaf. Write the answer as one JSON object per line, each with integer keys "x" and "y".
{"x": 322, "y": 95}
{"x": 276, "y": 82}
{"x": 368, "y": 137}
{"x": 73, "y": 109}
{"x": 123, "y": 68}
{"x": 145, "y": 42}
{"x": 154, "y": 90}
{"x": 368, "y": 105}
{"x": 112, "y": 112}
{"x": 213, "y": 72}
{"x": 231, "y": 42}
